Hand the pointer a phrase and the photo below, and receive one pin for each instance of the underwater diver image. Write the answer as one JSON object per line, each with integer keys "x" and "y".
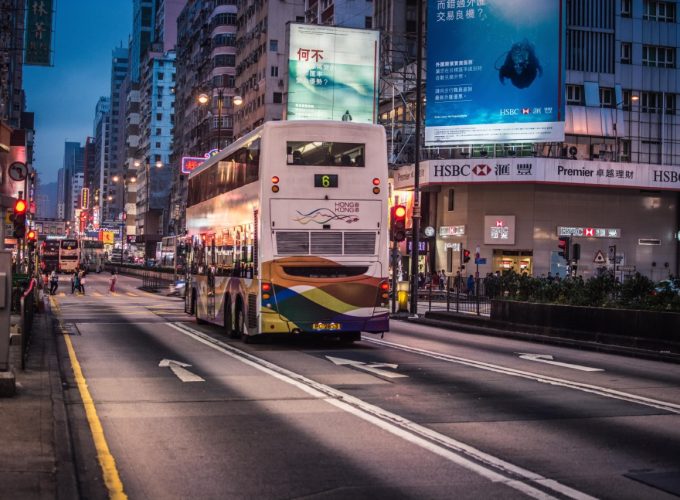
{"x": 521, "y": 66}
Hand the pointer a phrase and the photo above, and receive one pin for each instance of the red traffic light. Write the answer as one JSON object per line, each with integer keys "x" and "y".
{"x": 400, "y": 211}
{"x": 20, "y": 207}
{"x": 32, "y": 235}
{"x": 466, "y": 255}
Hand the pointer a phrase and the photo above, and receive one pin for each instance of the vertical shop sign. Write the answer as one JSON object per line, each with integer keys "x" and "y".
{"x": 39, "y": 33}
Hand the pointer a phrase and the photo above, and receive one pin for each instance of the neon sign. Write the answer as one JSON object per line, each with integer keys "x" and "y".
{"x": 190, "y": 163}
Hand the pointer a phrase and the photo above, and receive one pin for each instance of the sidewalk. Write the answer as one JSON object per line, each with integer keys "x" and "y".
{"x": 35, "y": 451}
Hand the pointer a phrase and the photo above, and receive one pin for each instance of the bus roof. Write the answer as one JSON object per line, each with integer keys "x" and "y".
{"x": 312, "y": 124}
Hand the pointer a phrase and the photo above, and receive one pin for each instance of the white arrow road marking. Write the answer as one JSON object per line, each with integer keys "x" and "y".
{"x": 373, "y": 367}
{"x": 180, "y": 369}
{"x": 547, "y": 358}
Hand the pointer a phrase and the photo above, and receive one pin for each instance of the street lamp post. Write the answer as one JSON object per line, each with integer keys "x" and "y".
{"x": 203, "y": 99}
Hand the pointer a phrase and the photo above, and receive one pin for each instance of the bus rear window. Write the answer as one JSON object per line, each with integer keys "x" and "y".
{"x": 325, "y": 154}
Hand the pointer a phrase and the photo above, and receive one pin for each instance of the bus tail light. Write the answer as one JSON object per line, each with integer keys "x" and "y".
{"x": 376, "y": 183}
{"x": 275, "y": 182}
{"x": 268, "y": 299}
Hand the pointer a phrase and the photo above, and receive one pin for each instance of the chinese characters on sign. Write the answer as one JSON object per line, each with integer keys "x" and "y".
{"x": 499, "y": 230}
{"x": 588, "y": 232}
{"x": 39, "y": 33}
{"x": 332, "y": 74}
{"x": 497, "y": 68}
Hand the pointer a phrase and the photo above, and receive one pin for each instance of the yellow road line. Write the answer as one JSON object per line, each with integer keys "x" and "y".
{"x": 106, "y": 460}
{"x": 131, "y": 294}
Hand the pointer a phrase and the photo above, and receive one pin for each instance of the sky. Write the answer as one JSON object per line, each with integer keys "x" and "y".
{"x": 63, "y": 97}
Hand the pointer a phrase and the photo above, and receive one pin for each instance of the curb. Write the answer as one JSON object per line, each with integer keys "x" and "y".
{"x": 547, "y": 339}
{"x": 66, "y": 477}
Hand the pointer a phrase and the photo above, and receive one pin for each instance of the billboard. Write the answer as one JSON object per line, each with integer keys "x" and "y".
{"x": 39, "y": 33}
{"x": 495, "y": 71}
{"x": 332, "y": 73}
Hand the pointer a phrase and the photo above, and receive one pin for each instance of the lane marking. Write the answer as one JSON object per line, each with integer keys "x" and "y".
{"x": 130, "y": 294}
{"x": 180, "y": 370}
{"x": 544, "y": 379}
{"x": 371, "y": 368}
{"x": 548, "y": 359}
{"x": 487, "y": 466}
{"x": 106, "y": 460}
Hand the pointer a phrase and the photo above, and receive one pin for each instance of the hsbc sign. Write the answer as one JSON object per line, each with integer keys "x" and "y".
{"x": 589, "y": 232}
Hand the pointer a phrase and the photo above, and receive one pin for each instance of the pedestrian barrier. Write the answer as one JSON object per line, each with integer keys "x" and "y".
{"x": 457, "y": 295}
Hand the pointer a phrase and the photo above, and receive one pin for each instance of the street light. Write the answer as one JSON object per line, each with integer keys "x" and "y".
{"x": 633, "y": 98}
{"x": 204, "y": 99}
{"x": 238, "y": 100}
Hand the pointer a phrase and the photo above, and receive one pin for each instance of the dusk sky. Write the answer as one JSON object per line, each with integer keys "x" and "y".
{"x": 64, "y": 96}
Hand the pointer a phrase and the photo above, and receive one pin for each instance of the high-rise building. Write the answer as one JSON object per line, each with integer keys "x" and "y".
{"x": 261, "y": 60}
{"x": 206, "y": 56}
{"x": 612, "y": 186}
{"x": 114, "y": 194}
{"x": 102, "y": 145}
{"x": 73, "y": 164}
{"x": 143, "y": 16}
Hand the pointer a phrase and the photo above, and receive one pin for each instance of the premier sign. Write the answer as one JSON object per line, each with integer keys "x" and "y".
{"x": 541, "y": 171}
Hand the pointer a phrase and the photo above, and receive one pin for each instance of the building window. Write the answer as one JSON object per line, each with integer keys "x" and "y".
{"x": 278, "y": 97}
{"x": 659, "y": 11}
{"x": 626, "y": 8}
{"x": 159, "y": 116}
{"x": 607, "y": 97}
{"x": 650, "y": 102}
{"x": 158, "y": 145}
{"x": 659, "y": 57}
{"x": 273, "y": 45}
{"x": 274, "y": 71}
{"x": 626, "y": 53}
{"x": 222, "y": 60}
{"x": 368, "y": 22}
{"x": 627, "y": 100}
{"x": 451, "y": 200}
{"x": 161, "y": 76}
{"x": 670, "y": 104}
{"x": 158, "y": 131}
{"x": 575, "y": 94}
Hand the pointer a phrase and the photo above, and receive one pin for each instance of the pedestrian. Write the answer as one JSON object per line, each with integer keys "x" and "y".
{"x": 470, "y": 285}
{"x": 113, "y": 281}
{"x": 75, "y": 282}
{"x": 54, "y": 282}
{"x": 81, "y": 281}
{"x": 458, "y": 282}
{"x": 442, "y": 279}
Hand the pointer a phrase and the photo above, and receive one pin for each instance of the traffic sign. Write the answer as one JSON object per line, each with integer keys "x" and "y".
{"x": 480, "y": 261}
{"x": 599, "y": 258}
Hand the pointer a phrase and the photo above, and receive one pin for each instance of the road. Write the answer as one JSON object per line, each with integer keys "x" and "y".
{"x": 186, "y": 412}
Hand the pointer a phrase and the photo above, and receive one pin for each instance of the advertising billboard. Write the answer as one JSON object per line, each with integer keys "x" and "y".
{"x": 332, "y": 73}
{"x": 495, "y": 71}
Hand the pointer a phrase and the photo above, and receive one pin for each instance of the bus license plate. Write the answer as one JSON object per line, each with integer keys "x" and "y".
{"x": 326, "y": 326}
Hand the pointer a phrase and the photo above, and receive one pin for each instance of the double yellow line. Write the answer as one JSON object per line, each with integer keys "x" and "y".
{"x": 106, "y": 460}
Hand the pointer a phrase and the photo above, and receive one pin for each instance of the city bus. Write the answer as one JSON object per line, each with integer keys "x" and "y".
{"x": 69, "y": 255}
{"x": 49, "y": 256}
{"x": 92, "y": 255}
{"x": 287, "y": 232}
{"x": 170, "y": 252}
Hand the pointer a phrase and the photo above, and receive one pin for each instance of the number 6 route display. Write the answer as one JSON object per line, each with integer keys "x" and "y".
{"x": 495, "y": 71}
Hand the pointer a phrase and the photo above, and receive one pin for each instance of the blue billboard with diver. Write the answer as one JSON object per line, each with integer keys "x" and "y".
{"x": 495, "y": 71}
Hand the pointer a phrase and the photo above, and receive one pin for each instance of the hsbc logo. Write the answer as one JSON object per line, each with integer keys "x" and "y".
{"x": 481, "y": 170}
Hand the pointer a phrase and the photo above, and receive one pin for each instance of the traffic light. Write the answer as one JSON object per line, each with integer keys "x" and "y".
{"x": 466, "y": 256}
{"x": 576, "y": 252}
{"x": 398, "y": 223}
{"x": 19, "y": 219}
{"x": 31, "y": 239}
{"x": 563, "y": 244}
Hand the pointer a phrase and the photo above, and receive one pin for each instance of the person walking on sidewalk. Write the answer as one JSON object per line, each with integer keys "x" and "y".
{"x": 75, "y": 282}
{"x": 113, "y": 282}
{"x": 81, "y": 281}
{"x": 54, "y": 282}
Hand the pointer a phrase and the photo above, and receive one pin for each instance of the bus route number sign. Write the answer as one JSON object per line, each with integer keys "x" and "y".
{"x": 325, "y": 180}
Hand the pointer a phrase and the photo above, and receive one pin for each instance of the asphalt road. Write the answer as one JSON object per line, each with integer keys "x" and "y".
{"x": 422, "y": 413}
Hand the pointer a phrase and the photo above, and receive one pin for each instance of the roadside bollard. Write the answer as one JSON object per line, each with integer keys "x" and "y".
{"x": 402, "y": 296}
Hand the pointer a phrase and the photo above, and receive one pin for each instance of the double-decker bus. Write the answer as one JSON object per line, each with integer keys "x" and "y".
{"x": 69, "y": 255}
{"x": 49, "y": 256}
{"x": 287, "y": 232}
{"x": 170, "y": 253}
{"x": 92, "y": 255}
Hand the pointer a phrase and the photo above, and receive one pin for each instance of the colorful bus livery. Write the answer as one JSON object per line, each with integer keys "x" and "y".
{"x": 288, "y": 232}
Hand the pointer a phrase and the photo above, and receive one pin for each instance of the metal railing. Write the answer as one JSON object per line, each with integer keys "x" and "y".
{"x": 457, "y": 294}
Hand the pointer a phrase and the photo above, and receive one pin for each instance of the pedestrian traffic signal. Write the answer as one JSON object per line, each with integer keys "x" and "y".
{"x": 576, "y": 252}
{"x": 466, "y": 256}
{"x": 398, "y": 223}
{"x": 19, "y": 219}
{"x": 563, "y": 245}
